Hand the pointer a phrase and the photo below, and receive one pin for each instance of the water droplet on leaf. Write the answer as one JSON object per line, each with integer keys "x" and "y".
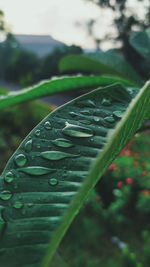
{"x": 20, "y": 160}
{"x": 77, "y": 131}
{"x": 30, "y": 205}
{"x": 56, "y": 155}
{"x": 47, "y": 125}
{"x": 61, "y": 142}
{"x": 37, "y": 132}
{"x": 18, "y": 205}
{"x": 85, "y": 122}
{"x": 106, "y": 102}
{"x": 73, "y": 114}
{"x": 88, "y": 103}
{"x": 96, "y": 119}
{"x": 9, "y": 177}
{"x": 118, "y": 114}
{"x": 5, "y": 195}
{"x": 36, "y": 170}
{"x": 109, "y": 119}
{"x": 28, "y": 146}
{"x": 53, "y": 181}
{"x": 85, "y": 112}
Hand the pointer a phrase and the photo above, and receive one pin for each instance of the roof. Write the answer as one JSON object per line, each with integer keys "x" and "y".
{"x": 39, "y": 44}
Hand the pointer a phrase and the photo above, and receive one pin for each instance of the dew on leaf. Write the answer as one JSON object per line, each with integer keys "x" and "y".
{"x": 28, "y": 146}
{"x": 61, "y": 142}
{"x": 77, "y": 131}
{"x": 36, "y": 170}
{"x": 86, "y": 103}
{"x": 18, "y": 205}
{"x": 109, "y": 119}
{"x": 118, "y": 114}
{"x": 73, "y": 114}
{"x": 5, "y": 195}
{"x": 20, "y": 160}
{"x": 30, "y": 205}
{"x": 37, "y": 132}
{"x": 9, "y": 177}
{"x": 85, "y": 112}
{"x": 96, "y": 119}
{"x": 47, "y": 125}
{"x": 56, "y": 155}
{"x": 85, "y": 122}
{"x": 53, "y": 181}
{"x": 106, "y": 102}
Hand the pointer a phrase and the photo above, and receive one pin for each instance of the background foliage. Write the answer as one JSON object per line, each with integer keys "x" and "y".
{"x": 104, "y": 233}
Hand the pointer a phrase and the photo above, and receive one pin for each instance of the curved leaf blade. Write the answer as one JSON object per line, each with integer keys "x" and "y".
{"x": 58, "y": 85}
{"x": 34, "y": 206}
{"x": 103, "y": 63}
{"x": 141, "y": 42}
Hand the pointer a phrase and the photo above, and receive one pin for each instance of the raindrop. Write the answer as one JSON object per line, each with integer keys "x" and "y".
{"x": 28, "y": 146}
{"x": 9, "y": 177}
{"x": 87, "y": 103}
{"x": 38, "y": 146}
{"x": 73, "y": 114}
{"x": 30, "y": 205}
{"x": 109, "y": 119}
{"x": 36, "y": 170}
{"x": 118, "y": 114}
{"x": 85, "y": 112}
{"x": 47, "y": 125}
{"x": 106, "y": 102}
{"x": 77, "y": 131}
{"x": 56, "y": 155}
{"x": 61, "y": 142}
{"x": 96, "y": 119}
{"x": 5, "y": 195}
{"x": 20, "y": 160}
{"x": 18, "y": 205}
{"x": 85, "y": 122}
{"x": 53, "y": 181}
{"x": 37, "y": 132}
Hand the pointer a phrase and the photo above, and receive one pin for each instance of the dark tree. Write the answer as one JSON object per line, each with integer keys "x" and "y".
{"x": 125, "y": 21}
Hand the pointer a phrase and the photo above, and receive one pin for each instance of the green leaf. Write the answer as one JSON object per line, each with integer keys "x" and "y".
{"x": 58, "y": 85}
{"x": 141, "y": 42}
{"x": 36, "y": 207}
{"x": 104, "y": 63}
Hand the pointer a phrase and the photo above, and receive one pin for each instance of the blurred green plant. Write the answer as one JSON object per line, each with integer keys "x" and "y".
{"x": 96, "y": 127}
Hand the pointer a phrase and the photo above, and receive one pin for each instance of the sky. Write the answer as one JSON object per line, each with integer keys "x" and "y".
{"x": 58, "y": 18}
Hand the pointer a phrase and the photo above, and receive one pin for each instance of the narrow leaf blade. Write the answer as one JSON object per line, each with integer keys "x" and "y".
{"x": 103, "y": 63}
{"x": 36, "y": 207}
{"x": 58, "y": 85}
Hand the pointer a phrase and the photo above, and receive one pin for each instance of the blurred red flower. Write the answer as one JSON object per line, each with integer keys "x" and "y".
{"x": 129, "y": 180}
{"x": 146, "y": 192}
{"x": 112, "y": 167}
{"x": 144, "y": 173}
{"x": 120, "y": 184}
